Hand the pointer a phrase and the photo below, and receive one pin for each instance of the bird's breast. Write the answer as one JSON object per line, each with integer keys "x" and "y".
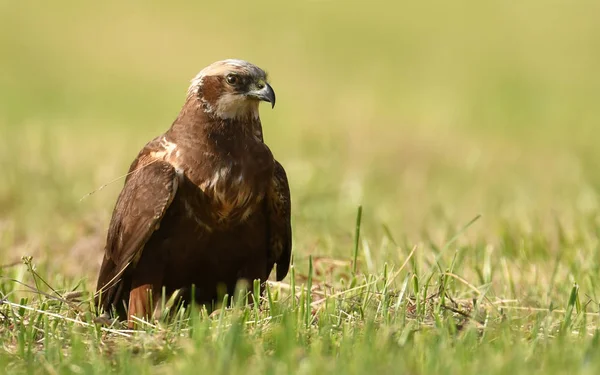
{"x": 233, "y": 182}
{"x": 235, "y": 190}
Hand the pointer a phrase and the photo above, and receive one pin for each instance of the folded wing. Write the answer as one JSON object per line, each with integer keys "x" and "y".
{"x": 280, "y": 229}
{"x": 149, "y": 190}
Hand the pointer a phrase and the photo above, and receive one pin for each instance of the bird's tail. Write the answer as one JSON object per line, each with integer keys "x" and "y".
{"x": 111, "y": 295}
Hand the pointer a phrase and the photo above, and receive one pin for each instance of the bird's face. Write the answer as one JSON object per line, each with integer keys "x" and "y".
{"x": 232, "y": 89}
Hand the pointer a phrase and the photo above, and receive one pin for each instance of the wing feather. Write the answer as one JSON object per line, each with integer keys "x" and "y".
{"x": 280, "y": 229}
{"x": 148, "y": 191}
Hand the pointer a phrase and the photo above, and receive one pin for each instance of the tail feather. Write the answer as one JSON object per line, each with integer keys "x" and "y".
{"x": 112, "y": 294}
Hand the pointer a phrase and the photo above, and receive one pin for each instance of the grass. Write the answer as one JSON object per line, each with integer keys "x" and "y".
{"x": 442, "y": 160}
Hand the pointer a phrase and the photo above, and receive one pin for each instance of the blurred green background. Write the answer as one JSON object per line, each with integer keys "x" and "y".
{"x": 426, "y": 113}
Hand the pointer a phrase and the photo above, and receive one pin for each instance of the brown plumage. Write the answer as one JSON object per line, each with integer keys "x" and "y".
{"x": 204, "y": 204}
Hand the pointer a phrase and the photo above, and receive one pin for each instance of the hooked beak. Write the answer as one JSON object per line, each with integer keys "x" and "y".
{"x": 264, "y": 93}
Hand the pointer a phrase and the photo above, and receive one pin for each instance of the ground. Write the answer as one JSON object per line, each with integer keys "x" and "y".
{"x": 465, "y": 131}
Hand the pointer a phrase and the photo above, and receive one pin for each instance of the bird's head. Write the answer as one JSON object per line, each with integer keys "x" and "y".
{"x": 231, "y": 89}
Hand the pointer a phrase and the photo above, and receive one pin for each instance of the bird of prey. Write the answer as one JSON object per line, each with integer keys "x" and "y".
{"x": 204, "y": 204}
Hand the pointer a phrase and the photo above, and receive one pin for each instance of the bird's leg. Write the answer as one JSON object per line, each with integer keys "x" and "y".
{"x": 146, "y": 288}
{"x": 142, "y": 300}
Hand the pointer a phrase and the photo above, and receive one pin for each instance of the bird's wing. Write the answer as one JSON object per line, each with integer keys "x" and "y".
{"x": 148, "y": 192}
{"x": 280, "y": 229}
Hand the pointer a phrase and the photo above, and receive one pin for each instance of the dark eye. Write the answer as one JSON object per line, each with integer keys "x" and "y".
{"x": 232, "y": 79}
